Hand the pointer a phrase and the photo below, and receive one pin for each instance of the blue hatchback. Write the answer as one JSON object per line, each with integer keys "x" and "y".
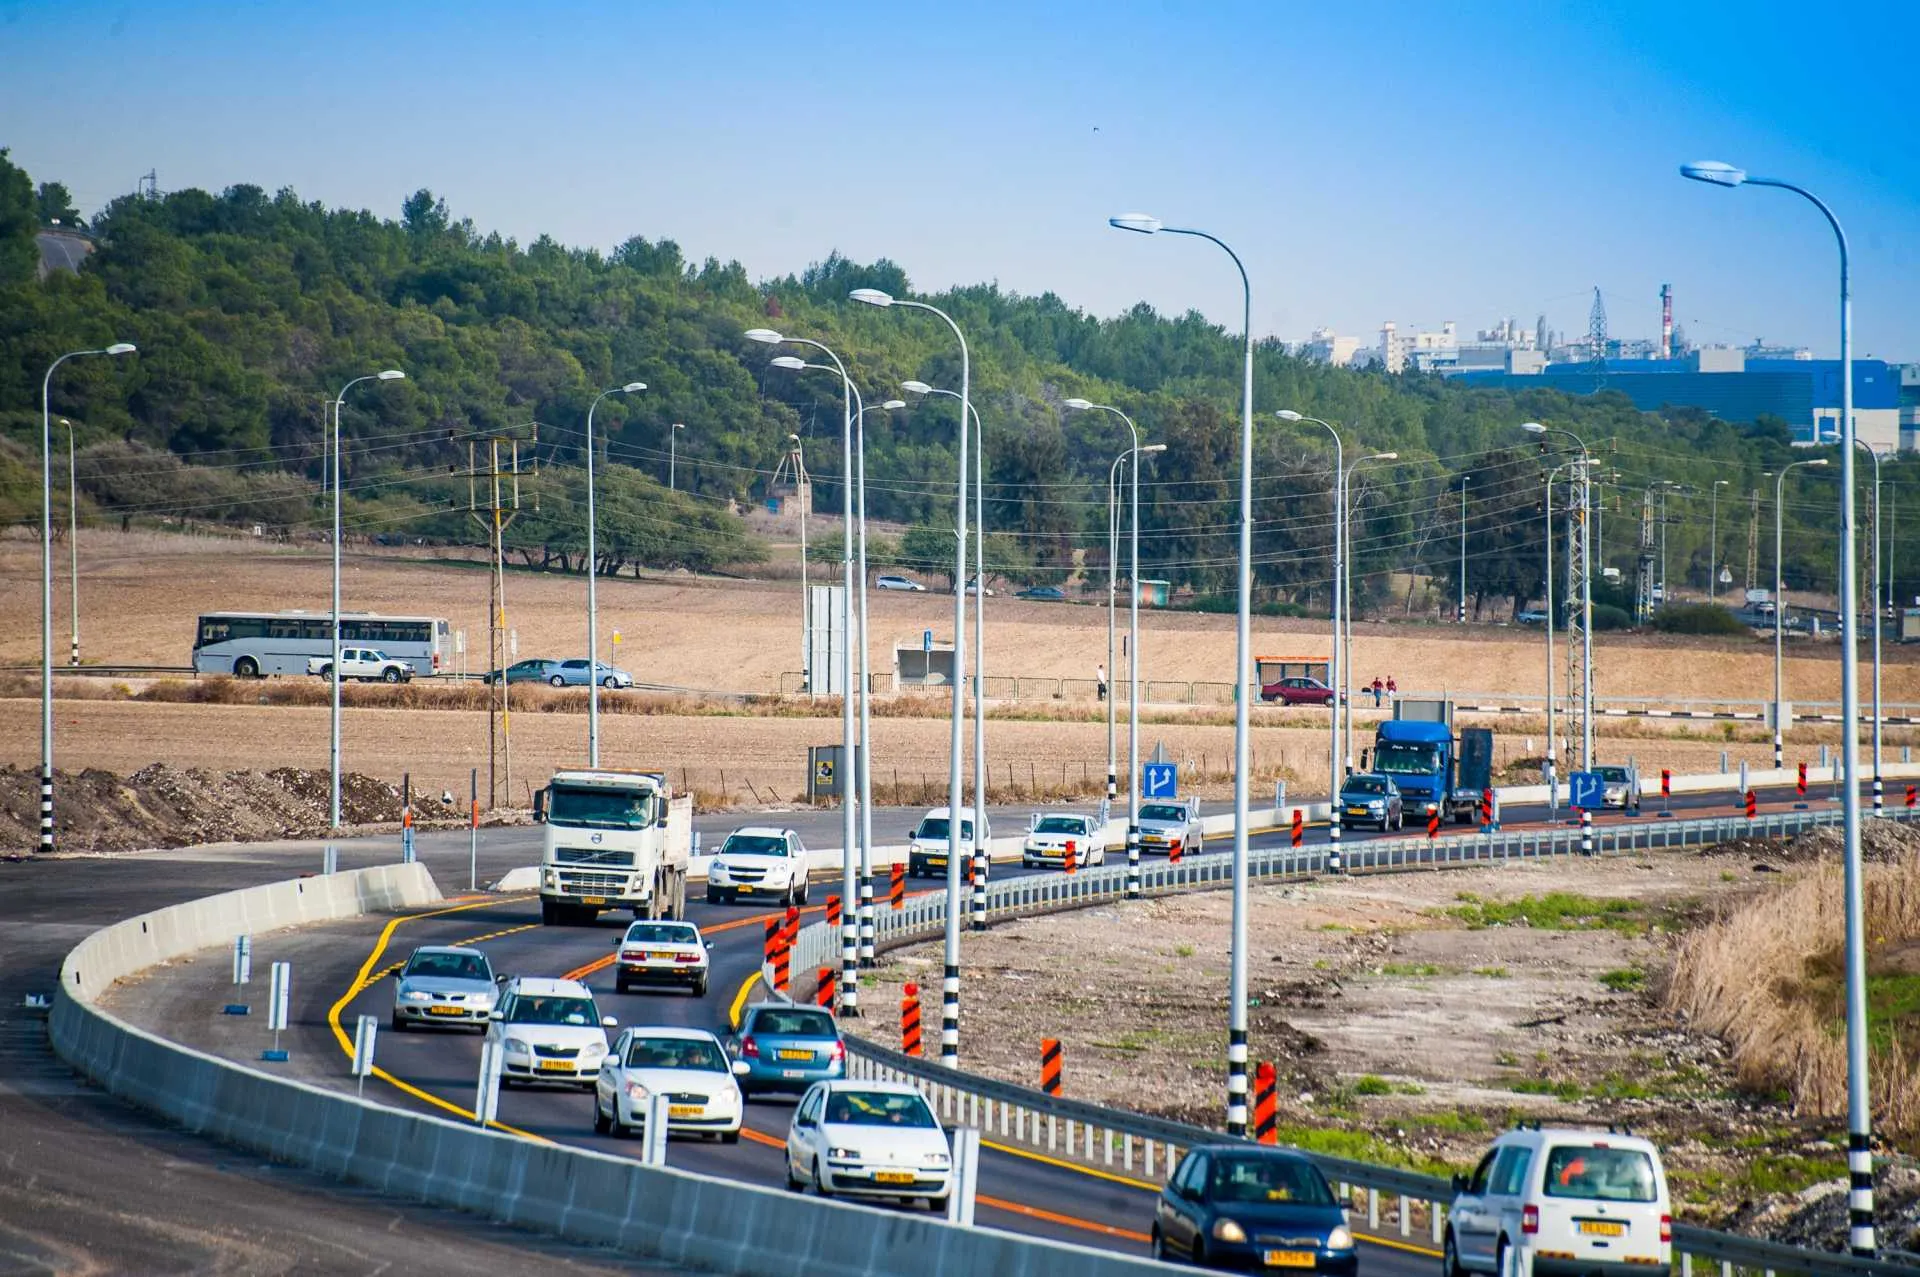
{"x": 1244, "y": 1207}
{"x": 787, "y": 1048}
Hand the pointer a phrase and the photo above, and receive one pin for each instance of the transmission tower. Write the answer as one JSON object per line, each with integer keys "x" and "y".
{"x": 1753, "y": 538}
{"x": 1597, "y": 338}
{"x": 1579, "y": 546}
{"x": 493, "y": 500}
{"x": 1643, "y": 578}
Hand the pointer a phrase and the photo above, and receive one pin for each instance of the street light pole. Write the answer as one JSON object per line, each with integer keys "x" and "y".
{"x": 1461, "y": 618}
{"x": 1780, "y": 609}
{"x": 804, "y": 491}
{"x": 1873, "y": 601}
{"x": 1346, "y": 587}
{"x": 46, "y": 585}
{"x": 950, "y": 976}
{"x": 1133, "y": 643}
{"x": 1113, "y": 594}
{"x": 868, "y": 931}
{"x": 333, "y": 671}
{"x": 1859, "y": 1115}
{"x": 1242, "y": 673}
{"x": 848, "y": 777}
{"x": 593, "y": 598}
{"x": 73, "y": 546}
{"x": 1713, "y": 543}
{"x": 673, "y": 457}
{"x": 1333, "y": 661}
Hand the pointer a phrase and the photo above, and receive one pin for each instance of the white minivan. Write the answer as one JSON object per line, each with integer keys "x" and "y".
{"x": 1558, "y": 1202}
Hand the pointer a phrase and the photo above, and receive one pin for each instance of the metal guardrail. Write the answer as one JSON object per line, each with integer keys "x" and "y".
{"x": 1105, "y": 1137}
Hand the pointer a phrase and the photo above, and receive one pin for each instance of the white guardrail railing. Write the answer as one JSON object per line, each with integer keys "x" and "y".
{"x": 1402, "y": 1202}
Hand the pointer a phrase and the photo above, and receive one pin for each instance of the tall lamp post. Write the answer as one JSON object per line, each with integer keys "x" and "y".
{"x": 950, "y": 976}
{"x": 1242, "y": 675}
{"x": 864, "y": 776}
{"x": 1461, "y": 615}
{"x": 1713, "y": 542}
{"x": 593, "y": 598}
{"x": 46, "y": 584}
{"x": 1873, "y": 601}
{"x": 1133, "y": 642}
{"x": 1333, "y": 661}
{"x": 849, "y": 984}
{"x": 73, "y": 546}
{"x": 1346, "y": 587}
{"x": 333, "y": 670}
{"x": 806, "y": 498}
{"x": 673, "y": 457}
{"x": 1585, "y": 464}
{"x": 977, "y": 854}
{"x": 1780, "y": 611}
{"x": 1859, "y": 1116}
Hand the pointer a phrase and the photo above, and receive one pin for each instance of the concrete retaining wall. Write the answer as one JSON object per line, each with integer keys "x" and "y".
{"x": 586, "y": 1196}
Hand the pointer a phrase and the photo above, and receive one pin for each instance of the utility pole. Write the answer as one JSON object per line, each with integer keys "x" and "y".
{"x": 493, "y": 501}
{"x": 1579, "y": 612}
{"x": 73, "y": 545}
{"x": 1461, "y": 616}
{"x": 1643, "y": 580}
{"x": 1753, "y": 538}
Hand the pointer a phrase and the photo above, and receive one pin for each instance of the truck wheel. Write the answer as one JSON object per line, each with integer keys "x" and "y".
{"x": 391, "y": 676}
{"x": 713, "y": 895}
{"x": 549, "y": 913}
{"x": 326, "y": 671}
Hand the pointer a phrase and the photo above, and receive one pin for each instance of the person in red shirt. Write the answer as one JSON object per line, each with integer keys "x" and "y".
{"x": 1391, "y": 688}
{"x": 1378, "y": 687}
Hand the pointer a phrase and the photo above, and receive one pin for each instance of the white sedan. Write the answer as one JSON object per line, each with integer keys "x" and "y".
{"x": 687, "y": 1066}
{"x": 661, "y": 953}
{"x": 1046, "y": 843}
{"x": 869, "y": 1139}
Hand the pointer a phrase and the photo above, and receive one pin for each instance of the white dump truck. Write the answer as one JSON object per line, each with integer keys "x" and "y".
{"x": 612, "y": 840}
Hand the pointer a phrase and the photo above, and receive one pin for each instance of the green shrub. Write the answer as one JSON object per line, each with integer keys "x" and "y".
{"x": 1697, "y": 618}
{"x": 1608, "y": 617}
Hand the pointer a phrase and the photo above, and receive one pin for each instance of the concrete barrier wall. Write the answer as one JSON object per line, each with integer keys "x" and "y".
{"x": 585, "y": 1196}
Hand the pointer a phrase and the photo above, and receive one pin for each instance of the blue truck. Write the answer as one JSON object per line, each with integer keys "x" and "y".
{"x": 1435, "y": 769}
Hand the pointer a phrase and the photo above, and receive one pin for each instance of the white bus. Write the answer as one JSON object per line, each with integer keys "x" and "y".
{"x": 255, "y": 644}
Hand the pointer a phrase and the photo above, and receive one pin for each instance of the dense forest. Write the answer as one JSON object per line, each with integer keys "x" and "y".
{"x": 251, "y": 309}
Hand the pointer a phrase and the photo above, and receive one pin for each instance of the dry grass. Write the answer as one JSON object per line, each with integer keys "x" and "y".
{"x": 1766, "y": 977}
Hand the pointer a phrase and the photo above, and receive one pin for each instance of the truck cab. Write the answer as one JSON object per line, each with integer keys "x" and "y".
{"x": 1435, "y": 771}
{"x": 612, "y": 840}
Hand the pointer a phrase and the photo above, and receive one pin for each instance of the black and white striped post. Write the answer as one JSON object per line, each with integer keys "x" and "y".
{"x": 866, "y": 918}
{"x": 1333, "y": 836}
{"x": 1133, "y": 857}
{"x": 1586, "y": 832}
{"x": 46, "y": 811}
{"x": 950, "y": 1016}
{"x": 977, "y": 909}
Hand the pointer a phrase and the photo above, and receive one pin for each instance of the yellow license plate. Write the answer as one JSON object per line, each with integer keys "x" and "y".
{"x": 1602, "y": 1228}
{"x": 1288, "y": 1258}
{"x": 683, "y": 1110}
{"x": 556, "y": 1066}
{"x": 793, "y": 1055}
{"x": 593, "y": 900}
{"x": 745, "y": 891}
{"x": 938, "y": 862}
{"x": 893, "y": 1177}
{"x": 443, "y": 1010}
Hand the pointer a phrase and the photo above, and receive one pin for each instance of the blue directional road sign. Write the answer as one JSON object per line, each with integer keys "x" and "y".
{"x": 1159, "y": 780}
{"x": 1586, "y": 790}
{"x": 926, "y": 640}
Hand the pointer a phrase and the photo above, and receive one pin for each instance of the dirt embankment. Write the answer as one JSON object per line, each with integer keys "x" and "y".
{"x": 162, "y": 806}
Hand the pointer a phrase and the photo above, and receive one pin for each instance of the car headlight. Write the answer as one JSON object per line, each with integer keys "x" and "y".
{"x": 937, "y": 1159}
{"x": 515, "y": 1046}
{"x": 843, "y": 1154}
{"x": 1340, "y": 1238}
{"x": 637, "y": 1092}
{"x": 483, "y": 999}
{"x": 1226, "y": 1230}
{"x": 1376, "y": 804}
{"x": 415, "y": 995}
{"x": 593, "y": 1049}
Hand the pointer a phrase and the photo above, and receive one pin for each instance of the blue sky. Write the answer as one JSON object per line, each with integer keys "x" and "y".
{"x": 1387, "y": 161}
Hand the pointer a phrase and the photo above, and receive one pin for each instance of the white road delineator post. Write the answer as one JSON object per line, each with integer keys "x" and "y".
{"x": 364, "y": 1030}
{"x": 654, "y": 1147}
{"x": 486, "y": 1100}
{"x": 965, "y": 1180}
{"x": 242, "y": 972}
{"x": 330, "y": 860}
{"x": 279, "y": 997}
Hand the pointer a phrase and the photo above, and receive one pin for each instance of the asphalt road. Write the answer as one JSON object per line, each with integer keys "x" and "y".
{"x": 99, "y": 1185}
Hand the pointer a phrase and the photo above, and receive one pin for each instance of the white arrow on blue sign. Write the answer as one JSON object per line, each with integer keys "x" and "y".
{"x": 1586, "y": 790}
{"x": 1160, "y": 780}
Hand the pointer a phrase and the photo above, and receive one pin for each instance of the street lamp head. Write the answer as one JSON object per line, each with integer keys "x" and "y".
{"x": 916, "y": 387}
{"x": 1153, "y": 447}
{"x": 1533, "y": 427}
{"x": 1384, "y": 456}
{"x": 765, "y": 336}
{"x": 1141, "y": 222}
{"x": 1817, "y": 461}
{"x": 792, "y": 363}
{"x": 871, "y": 296}
{"x": 1288, "y": 414}
{"x": 894, "y": 403}
{"x": 633, "y": 387}
{"x": 391, "y": 374}
{"x": 679, "y": 426}
{"x": 121, "y": 348}
{"x": 1077, "y": 404}
{"x": 794, "y": 437}
{"x": 1715, "y": 172}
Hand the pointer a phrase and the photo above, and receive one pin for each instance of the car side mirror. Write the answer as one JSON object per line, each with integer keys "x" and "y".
{"x": 1459, "y": 1182}
{"x": 499, "y": 979}
{"x": 496, "y": 1015}
{"x": 741, "y": 1068}
{"x": 617, "y": 941}
{"x": 608, "y": 1022}
{"x": 804, "y": 1123}
{"x": 707, "y": 943}
{"x": 540, "y": 806}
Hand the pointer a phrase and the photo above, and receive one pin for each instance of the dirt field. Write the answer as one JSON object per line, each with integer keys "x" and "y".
{"x": 140, "y": 593}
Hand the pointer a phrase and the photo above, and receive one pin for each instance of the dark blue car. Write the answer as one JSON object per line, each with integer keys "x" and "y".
{"x": 1247, "y": 1208}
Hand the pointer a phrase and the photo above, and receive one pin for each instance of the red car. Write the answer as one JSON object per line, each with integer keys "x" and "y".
{"x": 1298, "y": 691}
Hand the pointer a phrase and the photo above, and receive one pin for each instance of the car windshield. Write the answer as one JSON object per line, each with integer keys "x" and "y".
{"x": 1164, "y": 811}
{"x": 780, "y": 1022}
{"x": 449, "y": 966}
{"x": 676, "y": 1053}
{"x": 553, "y": 1009}
{"x": 934, "y": 829}
{"x": 600, "y": 808}
{"x": 1268, "y": 1179}
{"x": 878, "y": 1108}
{"x": 1405, "y": 758}
{"x": 1600, "y": 1174}
{"x": 1364, "y": 785}
{"x": 754, "y": 845}
{"x": 1060, "y": 825}
{"x": 662, "y": 933}
{"x": 1612, "y": 775}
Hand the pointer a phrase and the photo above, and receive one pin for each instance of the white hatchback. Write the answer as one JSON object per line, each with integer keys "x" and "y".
{"x": 549, "y": 1031}
{"x": 687, "y": 1066}
{"x": 869, "y": 1139}
{"x": 1561, "y": 1203}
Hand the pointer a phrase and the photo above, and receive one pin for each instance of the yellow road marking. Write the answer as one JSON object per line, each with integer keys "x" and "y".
{"x": 392, "y": 967}
{"x": 1075, "y": 1167}
{"x": 1370, "y": 1239}
{"x": 740, "y": 999}
{"x": 602, "y": 963}
{"x": 365, "y": 977}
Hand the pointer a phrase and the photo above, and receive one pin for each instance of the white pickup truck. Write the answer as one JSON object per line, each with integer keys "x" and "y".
{"x": 369, "y": 665}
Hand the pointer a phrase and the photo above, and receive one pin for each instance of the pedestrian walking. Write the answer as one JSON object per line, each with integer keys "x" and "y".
{"x": 1378, "y": 688}
{"x": 1392, "y": 689}
{"x": 1100, "y": 681}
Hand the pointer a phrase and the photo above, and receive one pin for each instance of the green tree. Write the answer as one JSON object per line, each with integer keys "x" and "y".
{"x": 54, "y": 205}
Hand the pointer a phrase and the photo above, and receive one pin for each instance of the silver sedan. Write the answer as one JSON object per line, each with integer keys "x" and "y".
{"x": 444, "y": 984}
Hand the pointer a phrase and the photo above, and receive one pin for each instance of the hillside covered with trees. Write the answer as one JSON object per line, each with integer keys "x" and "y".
{"x": 251, "y": 309}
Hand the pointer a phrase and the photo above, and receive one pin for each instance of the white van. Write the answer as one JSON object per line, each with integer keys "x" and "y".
{"x": 927, "y": 849}
{"x": 1561, "y": 1203}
